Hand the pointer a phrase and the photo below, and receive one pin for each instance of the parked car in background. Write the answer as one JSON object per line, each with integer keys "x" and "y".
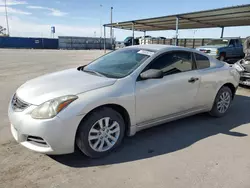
{"x": 243, "y": 65}
{"x": 223, "y": 49}
{"x": 128, "y": 41}
{"x": 125, "y": 91}
{"x": 119, "y": 44}
{"x": 164, "y": 38}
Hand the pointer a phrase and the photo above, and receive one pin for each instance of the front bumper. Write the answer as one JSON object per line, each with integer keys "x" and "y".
{"x": 49, "y": 136}
{"x": 245, "y": 78}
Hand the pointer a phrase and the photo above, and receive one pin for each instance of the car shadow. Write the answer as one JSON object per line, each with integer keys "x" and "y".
{"x": 232, "y": 60}
{"x": 168, "y": 138}
{"x": 244, "y": 86}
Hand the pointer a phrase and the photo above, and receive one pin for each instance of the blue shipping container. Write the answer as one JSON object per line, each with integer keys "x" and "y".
{"x": 22, "y": 42}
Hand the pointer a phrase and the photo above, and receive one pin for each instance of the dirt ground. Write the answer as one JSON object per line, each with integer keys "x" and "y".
{"x": 198, "y": 151}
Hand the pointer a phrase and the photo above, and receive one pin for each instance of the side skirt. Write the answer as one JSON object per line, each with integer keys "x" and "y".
{"x": 168, "y": 118}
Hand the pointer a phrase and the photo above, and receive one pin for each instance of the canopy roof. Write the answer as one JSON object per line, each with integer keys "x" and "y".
{"x": 223, "y": 17}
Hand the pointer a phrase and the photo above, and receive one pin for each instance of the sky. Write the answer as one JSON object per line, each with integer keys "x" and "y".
{"x": 34, "y": 18}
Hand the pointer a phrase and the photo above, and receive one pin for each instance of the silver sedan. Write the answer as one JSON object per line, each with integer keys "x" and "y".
{"x": 120, "y": 93}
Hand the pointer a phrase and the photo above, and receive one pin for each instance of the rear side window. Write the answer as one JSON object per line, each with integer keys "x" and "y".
{"x": 202, "y": 61}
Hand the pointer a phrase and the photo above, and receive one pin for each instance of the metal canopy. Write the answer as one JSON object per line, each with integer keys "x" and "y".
{"x": 223, "y": 17}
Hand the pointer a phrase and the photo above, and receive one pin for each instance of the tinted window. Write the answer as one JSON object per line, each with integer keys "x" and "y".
{"x": 232, "y": 42}
{"x": 174, "y": 62}
{"x": 127, "y": 39}
{"x": 202, "y": 61}
{"x": 238, "y": 42}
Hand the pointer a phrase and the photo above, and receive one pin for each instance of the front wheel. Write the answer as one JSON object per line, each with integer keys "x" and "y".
{"x": 222, "y": 57}
{"x": 101, "y": 132}
{"x": 222, "y": 102}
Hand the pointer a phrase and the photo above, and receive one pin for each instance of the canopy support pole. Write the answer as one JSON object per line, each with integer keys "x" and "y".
{"x": 111, "y": 27}
{"x": 144, "y": 40}
{"x": 176, "y": 31}
{"x": 222, "y": 32}
{"x": 104, "y": 39}
{"x": 133, "y": 33}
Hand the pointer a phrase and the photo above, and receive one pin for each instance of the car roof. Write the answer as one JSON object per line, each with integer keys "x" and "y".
{"x": 156, "y": 47}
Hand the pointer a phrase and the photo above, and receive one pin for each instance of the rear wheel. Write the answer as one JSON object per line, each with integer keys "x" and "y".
{"x": 222, "y": 102}
{"x": 100, "y": 133}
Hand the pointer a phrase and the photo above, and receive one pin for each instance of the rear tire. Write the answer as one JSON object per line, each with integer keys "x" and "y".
{"x": 100, "y": 133}
{"x": 222, "y": 102}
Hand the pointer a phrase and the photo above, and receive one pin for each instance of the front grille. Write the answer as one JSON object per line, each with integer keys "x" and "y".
{"x": 37, "y": 140}
{"x": 18, "y": 104}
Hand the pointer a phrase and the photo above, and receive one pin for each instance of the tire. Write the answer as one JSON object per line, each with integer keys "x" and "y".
{"x": 226, "y": 93}
{"x": 222, "y": 57}
{"x": 89, "y": 132}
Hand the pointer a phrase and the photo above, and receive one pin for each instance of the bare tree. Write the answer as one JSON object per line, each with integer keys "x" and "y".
{"x": 2, "y": 31}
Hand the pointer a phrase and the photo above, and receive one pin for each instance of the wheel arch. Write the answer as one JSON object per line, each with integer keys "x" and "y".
{"x": 231, "y": 87}
{"x": 120, "y": 109}
{"x": 224, "y": 53}
{"x": 213, "y": 111}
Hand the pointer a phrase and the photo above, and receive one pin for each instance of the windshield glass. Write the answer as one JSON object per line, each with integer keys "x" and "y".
{"x": 219, "y": 42}
{"x": 120, "y": 63}
{"x": 127, "y": 39}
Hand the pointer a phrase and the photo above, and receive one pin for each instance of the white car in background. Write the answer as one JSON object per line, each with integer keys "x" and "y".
{"x": 120, "y": 93}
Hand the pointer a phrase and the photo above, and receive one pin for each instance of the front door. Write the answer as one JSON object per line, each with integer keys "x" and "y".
{"x": 231, "y": 49}
{"x": 238, "y": 48}
{"x": 174, "y": 93}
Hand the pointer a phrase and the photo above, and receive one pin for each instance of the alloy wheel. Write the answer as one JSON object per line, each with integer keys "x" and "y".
{"x": 224, "y": 102}
{"x": 104, "y": 134}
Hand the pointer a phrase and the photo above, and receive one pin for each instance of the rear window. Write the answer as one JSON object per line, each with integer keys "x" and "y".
{"x": 202, "y": 61}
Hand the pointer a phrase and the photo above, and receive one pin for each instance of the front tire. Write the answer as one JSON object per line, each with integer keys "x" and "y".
{"x": 100, "y": 133}
{"x": 222, "y": 57}
{"x": 222, "y": 102}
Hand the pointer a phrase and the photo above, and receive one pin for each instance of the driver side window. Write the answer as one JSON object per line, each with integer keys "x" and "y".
{"x": 238, "y": 43}
{"x": 232, "y": 42}
{"x": 173, "y": 62}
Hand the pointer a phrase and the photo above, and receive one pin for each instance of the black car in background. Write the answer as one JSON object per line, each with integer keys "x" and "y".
{"x": 128, "y": 41}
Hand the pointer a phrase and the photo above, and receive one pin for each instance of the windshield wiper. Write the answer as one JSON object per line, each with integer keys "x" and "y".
{"x": 93, "y": 72}
{"x": 81, "y": 68}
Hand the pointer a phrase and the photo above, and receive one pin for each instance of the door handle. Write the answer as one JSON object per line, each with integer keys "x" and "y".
{"x": 192, "y": 80}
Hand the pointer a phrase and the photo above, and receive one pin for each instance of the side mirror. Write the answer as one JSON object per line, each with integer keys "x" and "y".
{"x": 230, "y": 46}
{"x": 151, "y": 74}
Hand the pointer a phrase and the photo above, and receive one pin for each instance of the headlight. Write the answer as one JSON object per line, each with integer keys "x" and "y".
{"x": 238, "y": 66}
{"x": 51, "y": 108}
{"x": 217, "y": 52}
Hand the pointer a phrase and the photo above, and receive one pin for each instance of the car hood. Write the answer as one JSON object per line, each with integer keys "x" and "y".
{"x": 67, "y": 82}
{"x": 210, "y": 46}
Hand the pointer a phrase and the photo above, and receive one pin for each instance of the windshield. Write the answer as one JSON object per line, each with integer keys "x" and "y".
{"x": 219, "y": 42}
{"x": 120, "y": 63}
{"x": 127, "y": 39}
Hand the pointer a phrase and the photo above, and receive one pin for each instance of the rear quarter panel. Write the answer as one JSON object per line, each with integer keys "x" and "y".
{"x": 212, "y": 79}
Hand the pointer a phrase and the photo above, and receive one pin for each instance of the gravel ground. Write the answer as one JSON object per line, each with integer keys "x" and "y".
{"x": 196, "y": 152}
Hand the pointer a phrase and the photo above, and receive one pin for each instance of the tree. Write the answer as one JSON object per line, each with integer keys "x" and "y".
{"x": 2, "y": 31}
